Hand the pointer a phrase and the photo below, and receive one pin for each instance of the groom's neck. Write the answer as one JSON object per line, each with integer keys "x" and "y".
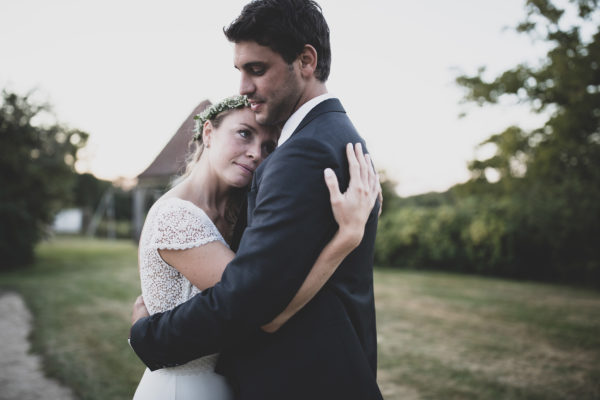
{"x": 313, "y": 90}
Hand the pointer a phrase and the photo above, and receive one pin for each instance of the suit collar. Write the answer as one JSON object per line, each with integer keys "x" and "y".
{"x": 327, "y": 106}
{"x": 296, "y": 118}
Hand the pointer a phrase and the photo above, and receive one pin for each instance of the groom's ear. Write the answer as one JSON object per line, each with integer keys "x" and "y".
{"x": 308, "y": 61}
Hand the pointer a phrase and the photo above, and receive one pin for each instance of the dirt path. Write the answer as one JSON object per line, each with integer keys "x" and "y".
{"x": 21, "y": 375}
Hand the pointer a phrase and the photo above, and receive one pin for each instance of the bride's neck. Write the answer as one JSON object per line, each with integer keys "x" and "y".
{"x": 203, "y": 188}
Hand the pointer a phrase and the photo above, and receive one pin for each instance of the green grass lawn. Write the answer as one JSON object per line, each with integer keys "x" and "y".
{"x": 80, "y": 293}
{"x": 440, "y": 336}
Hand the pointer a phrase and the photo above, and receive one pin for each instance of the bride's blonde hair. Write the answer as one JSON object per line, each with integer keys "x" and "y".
{"x": 215, "y": 114}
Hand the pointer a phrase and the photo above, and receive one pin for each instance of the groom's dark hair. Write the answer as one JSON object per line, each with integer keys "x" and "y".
{"x": 285, "y": 26}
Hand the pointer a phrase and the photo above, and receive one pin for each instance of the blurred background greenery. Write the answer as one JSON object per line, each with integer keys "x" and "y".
{"x": 530, "y": 213}
{"x": 531, "y": 210}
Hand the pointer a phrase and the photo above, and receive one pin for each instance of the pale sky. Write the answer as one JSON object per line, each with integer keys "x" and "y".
{"x": 129, "y": 72}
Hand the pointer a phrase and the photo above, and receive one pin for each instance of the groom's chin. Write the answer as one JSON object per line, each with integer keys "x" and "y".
{"x": 262, "y": 118}
{"x": 265, "y": 119}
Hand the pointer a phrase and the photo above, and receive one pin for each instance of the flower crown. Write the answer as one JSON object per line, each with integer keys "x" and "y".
{"x": 211, "y": 112}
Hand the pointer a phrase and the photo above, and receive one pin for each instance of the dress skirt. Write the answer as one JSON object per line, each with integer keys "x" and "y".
{"x": 195, "y": 380}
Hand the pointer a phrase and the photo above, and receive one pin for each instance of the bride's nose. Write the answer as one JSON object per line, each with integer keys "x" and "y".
{"x": 253, "y": 151}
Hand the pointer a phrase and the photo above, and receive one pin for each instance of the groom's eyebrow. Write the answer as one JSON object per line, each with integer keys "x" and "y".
{"x": 252, "y": 64}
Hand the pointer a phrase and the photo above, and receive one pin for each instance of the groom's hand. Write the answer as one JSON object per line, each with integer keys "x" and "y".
{"x": 139, "y": 310}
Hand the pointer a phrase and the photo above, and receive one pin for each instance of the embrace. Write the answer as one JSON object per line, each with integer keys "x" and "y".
{"x": 256, "y": 270}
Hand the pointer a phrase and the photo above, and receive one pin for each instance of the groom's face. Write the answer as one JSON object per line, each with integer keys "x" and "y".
{"x": 273, "y": 86}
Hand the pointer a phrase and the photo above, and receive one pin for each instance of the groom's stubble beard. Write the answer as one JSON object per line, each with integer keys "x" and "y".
{"x": 279, "y": 122}
{"x": 283, "y": 103}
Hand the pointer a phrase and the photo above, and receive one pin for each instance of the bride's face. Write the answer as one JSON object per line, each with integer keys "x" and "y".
{"x": 238, "y": 146}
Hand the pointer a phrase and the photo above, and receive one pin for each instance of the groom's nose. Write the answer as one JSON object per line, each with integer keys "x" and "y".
{"x": 247, "y": 87}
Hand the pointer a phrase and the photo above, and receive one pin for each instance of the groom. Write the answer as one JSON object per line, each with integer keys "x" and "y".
{"x": 328, "y": 349}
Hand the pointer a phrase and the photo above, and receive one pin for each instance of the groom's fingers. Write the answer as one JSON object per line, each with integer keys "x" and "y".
{"x": 333, "y": 186}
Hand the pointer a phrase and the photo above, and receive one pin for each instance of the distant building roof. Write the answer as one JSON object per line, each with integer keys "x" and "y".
{"x": 171, "y": 159}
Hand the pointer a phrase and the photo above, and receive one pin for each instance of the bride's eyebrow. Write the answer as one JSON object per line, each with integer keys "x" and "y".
{"x": 250, "y": 127}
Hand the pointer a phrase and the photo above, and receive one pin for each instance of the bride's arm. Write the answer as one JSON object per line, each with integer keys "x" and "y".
{"x": 351, "y": 211}
{"x": 204, "y": 265}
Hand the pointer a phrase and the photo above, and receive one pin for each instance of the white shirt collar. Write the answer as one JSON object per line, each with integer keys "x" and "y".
{"x": 292, "y": 123}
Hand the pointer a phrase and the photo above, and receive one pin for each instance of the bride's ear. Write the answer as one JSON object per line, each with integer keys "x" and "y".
{"x": 207, "y": 131}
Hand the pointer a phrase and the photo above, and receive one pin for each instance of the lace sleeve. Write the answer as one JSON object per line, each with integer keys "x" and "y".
{"x": 177, "y": 225}
{"x": 181, "y": 225}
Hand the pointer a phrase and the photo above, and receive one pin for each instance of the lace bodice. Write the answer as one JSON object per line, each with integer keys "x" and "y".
{"x": 172, "y": 224}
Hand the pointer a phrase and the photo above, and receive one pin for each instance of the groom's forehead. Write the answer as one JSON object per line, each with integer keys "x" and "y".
{"x": 249, "y": 52}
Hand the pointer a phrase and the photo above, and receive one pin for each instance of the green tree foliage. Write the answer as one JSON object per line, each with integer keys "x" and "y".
{"x": 36, "y": 174}
{"x": 566, "y": 85}
{"x": 390, "y": 199}
{"x": 541, "y": 219}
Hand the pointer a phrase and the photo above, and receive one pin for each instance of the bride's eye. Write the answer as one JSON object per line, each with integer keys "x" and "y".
{"x": 244, "y": 133}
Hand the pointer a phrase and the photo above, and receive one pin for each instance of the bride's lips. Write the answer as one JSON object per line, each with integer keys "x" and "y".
{"x": 246, "y": 168}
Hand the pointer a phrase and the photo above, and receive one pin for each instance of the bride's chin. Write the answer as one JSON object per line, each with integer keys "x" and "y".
{"x": 240, "y": 182}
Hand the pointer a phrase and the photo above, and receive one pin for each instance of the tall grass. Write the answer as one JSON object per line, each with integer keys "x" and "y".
{"x": 440, "y": 336}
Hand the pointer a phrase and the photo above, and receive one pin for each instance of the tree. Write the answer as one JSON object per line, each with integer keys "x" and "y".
{"x": 36, "y": 174}
{"x": 550, "y": 176}
{"x": 566, "y": 85}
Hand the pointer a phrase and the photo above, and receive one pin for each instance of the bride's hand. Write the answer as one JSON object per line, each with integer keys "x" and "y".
{"x": 351, "y": 209}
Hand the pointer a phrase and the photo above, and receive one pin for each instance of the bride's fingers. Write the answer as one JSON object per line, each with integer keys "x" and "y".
{"x": 376, "y": 190}
{"x": 370, "y": 170}
{"x": 353, "y": 164}
{"x": 333, "y": 186}
{"x": 380, "y": 196}
{"x": 360, "y": 157}
{"x": 372, "y": 178}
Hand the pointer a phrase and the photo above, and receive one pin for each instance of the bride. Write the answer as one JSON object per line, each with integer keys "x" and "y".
{"x": 188, "y": 235}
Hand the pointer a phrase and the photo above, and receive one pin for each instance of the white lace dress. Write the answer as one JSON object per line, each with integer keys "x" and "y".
{"x": 176, "y": 224}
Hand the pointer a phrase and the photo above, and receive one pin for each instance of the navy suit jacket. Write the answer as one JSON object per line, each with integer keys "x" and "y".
{"x": 327, "y": 350}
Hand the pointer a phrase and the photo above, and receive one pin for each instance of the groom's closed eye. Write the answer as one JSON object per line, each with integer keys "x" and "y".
{"x": 255, "y": 68}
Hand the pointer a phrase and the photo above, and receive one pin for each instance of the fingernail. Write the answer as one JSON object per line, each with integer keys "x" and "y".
{"x": 328, "y": 172}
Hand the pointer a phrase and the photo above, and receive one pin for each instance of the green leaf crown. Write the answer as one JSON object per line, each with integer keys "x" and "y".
{"x": 230, "y": 103}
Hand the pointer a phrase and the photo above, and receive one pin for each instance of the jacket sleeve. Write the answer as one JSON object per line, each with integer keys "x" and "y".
{"x": 291, "y": 222}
